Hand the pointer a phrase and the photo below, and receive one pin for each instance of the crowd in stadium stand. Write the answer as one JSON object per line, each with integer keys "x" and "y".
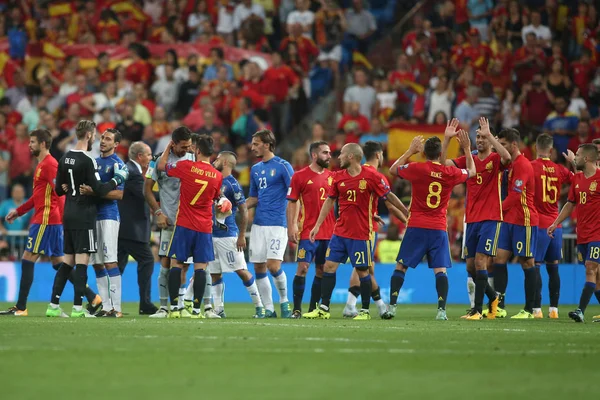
{"x": 530, "y": 64}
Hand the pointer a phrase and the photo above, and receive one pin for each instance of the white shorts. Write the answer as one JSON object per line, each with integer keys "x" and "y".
{"x": 334, "y": 54}
{"x": 165, "y": 239}
{"x": 107, "y": 232}
{"x": 227, "y": 256}
{"x": 267, "y": 243}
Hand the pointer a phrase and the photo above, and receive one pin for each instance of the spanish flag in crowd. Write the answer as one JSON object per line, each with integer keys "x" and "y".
{"x": 400, "y": 136}
{"x": 130, "y": 8}
{"x": 61, "y": 9}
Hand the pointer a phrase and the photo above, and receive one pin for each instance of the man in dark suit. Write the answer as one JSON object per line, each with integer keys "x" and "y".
{"x": 134, "y": 232}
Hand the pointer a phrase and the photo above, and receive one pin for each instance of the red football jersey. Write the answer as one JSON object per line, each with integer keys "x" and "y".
{"x": 355, "y": 202}
{"x": 585, "y": 194}
{"x": 518, "y": 206}
{"x": 376, "y": 199}
{"x": 432, "y": 185}
{"x": 310, "y": 189}
{"x": 484, "y": 195}
{"x": 48, "y": 207}
{"x": 549, "y": 178}
{"x": 200, "y": 186}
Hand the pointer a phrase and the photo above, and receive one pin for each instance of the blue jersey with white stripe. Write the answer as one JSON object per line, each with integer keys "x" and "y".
{"x": 233, "y": 191}
{"x": 269, "y": 183}
{"x": 108, "y": 209}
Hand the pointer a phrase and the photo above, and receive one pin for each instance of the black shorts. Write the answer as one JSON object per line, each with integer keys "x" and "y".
{"x": 80, "y": 241}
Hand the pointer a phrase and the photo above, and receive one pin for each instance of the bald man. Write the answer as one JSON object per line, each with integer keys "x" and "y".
{"x": 229, "y": 241}
{"x": 354, "y": 188}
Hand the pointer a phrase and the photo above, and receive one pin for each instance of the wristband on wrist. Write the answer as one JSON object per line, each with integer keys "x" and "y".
{"x": 157, "y": 212}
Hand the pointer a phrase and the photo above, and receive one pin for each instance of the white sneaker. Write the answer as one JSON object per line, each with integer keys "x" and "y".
{"x": 86, "y": 313}
{"x": 211, "y": 314}
{"x": 349, "y": 312}
{"x": 161, "y": 313}
{"x": 64, "y": 314}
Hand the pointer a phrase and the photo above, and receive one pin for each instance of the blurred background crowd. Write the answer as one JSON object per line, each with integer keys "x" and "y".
{"x": 228, "y": 68}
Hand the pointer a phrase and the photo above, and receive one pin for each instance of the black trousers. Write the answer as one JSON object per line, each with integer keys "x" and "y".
{"x": 143, "y": 255}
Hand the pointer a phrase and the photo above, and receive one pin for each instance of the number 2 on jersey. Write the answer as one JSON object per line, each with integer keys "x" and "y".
{"x": 72, "y": 182}
{"x": 323, "y": 192}
{"x": 203, "y": 185}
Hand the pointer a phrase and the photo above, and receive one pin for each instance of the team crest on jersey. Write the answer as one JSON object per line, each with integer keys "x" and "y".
{"x": 272, "y": 173}
{"x": 237, "y": 195}
{"x": 489, "y": 166}
{"x": 108, "y": 168}
{"x": 518, "y": 183}
{"x": 330, "y": 180}
{"x": 37, "y": 174}
{"x": 362, "y": 184}
{"x": 579, "y": 257}
{"x": 301, "y": 253}
{"x": 593, "y": 186}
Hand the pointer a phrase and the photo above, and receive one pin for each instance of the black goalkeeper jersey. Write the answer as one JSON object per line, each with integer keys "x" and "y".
{"x": 77, "y": 168}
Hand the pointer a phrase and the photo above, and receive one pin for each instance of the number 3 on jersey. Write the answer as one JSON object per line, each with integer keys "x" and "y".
{"x": 434, "y": 197}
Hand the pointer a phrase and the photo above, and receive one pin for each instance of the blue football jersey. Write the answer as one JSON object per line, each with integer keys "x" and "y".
{"x": 108, "y": 209}
{"x": 233, "y": 191}
{"x": 269, "y": 182}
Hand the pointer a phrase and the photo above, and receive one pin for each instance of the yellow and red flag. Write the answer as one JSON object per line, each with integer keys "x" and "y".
{"x": 400, "y": 135}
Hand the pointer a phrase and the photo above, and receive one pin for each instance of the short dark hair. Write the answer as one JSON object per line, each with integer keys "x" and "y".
{"x": 42, "y": 136}
{"x": 266, "y": 136}
{"x": 116, "y": 133}
{"x": 544, "y": 142}
{"x": 181, "y": 133}
{"x": 83, "y": 127}
{"x": 204, "y": 144}
{"x": 596, "y": 141}
{"x": 510, "y": 134}
{"x": 371, "y": 148}
{"x": 314, "y": 146}
{"x": 5, "y": 101}
{"x": 218, "y": 51}
{"x": 433, "y": 148}
{"x": 590, "y": 150}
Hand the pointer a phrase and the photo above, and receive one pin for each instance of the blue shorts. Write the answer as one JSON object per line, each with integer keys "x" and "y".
{"x": 588, "y": 252}
{"x": 482, "y": 237}
{"x": 340, "y": 249}
{"x": 308, "y": 251}
{"x": 521, "y": 240}
{"x": 421, "y": 242}
{"x": 373, "y": 245}
{"x": 548, "y": 249}
{"x": 186, "y": 242}
{"x": 47, "y": 240}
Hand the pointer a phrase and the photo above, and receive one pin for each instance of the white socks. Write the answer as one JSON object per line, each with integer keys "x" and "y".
{"x": 351, "y": 300}
{"x": 471, "y": 291}
{"x": 381, "y": 306}
{"x": 115, "y": 290}
{"x": 189, "y": 291}
{"x": 218, "y": 293}
{"x": 281, "y": 284}
{"x": 103, "y": 283}
{"x": 253, "y": 292}
{"x": 163, "y": 287}
{"x": 180, "y": 297}
{"x": 264, "y": 289}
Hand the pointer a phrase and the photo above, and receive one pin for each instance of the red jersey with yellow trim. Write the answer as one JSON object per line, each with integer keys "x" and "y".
{"x": 45, "y": 201}
{"x": 484, "y": 191}
{"x": 355, "y": 202}
{"x": 200, "y": 186}
{"x": 585, "y": 193}
{"x": 310, "y": 188}
{"x": 519, "y": 205}
{"x": 376, "y": 199}
{"x": 432, "y": 185}
{"x": 549, "y": 179}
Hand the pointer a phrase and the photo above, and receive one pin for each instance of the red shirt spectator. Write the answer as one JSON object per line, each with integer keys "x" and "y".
{"x": 529, "y": 60}
{"x": 584, "y": 135}
{"x": 107, "y": 29}
{"x": 351, "y": 123}
{"x": 139, "y": 71}
{"x": 307, "y": 49}
{"x": 461, "y": 13}
{"x": 479, "y": 53}
{"x": 7, "y": 133}
{"x": 279, "y": 79}
{"x": 20, "y": 156}
{"x": 80, "y": 94}
{"x": 536, "y": 104}
{"x": 583, "y": 73}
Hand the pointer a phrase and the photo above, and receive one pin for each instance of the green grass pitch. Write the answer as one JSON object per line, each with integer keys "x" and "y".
{"x": 410, "y": 357}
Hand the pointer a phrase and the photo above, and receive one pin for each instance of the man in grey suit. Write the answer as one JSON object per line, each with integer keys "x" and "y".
{"x": 134, "y": 231}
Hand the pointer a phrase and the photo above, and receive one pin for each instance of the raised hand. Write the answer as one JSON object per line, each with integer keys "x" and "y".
{"x": 451, "y": 127}
{"x": 484, "y": 126}
{"x": 416, "y": 146}
{"x": 464, "y": 140}
{"x": 569, "y": 156}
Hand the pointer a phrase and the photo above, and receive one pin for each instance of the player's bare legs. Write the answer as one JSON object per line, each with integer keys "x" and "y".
{"x": 298, "y": 285}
